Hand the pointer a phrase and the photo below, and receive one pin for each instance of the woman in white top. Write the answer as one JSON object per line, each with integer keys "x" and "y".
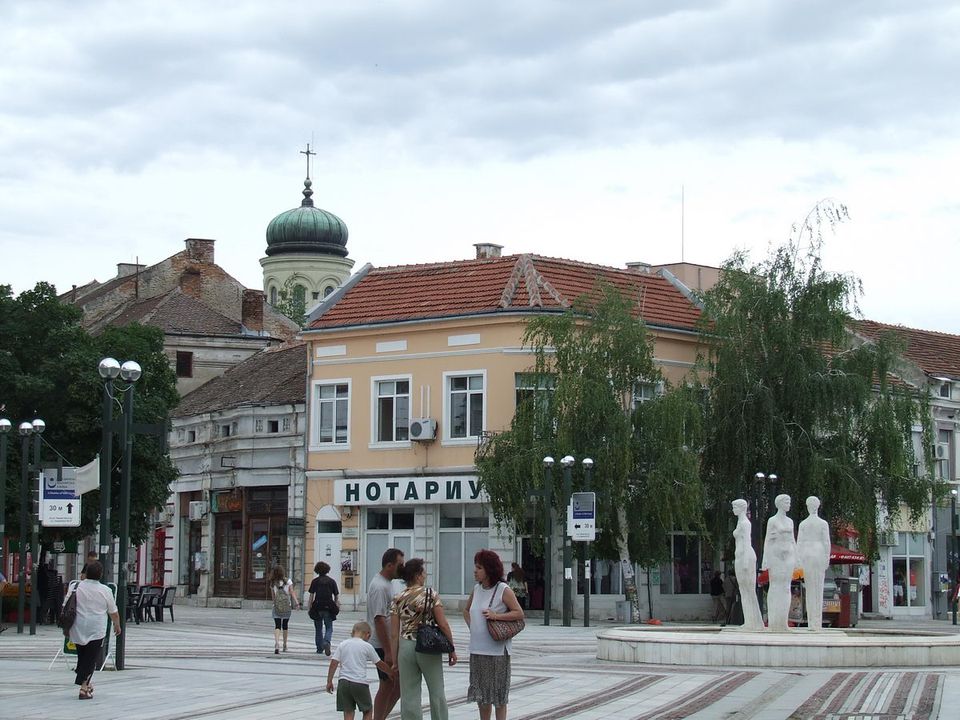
{"x": 491, "y": 599}
{"x": 94, "y": 603}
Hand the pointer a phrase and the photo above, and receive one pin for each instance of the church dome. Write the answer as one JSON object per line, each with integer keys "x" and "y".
{"x": 307, "y": 230}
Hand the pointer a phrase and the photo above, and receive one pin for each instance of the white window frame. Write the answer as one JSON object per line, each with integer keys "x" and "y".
{"x": 638, "y": 399}
{"x": 315, "y": 443}
{"x": 461, "y": 531}
{"x": 375, "y": 442}
{"x": 469, "y": 439}
{"x": 909, "y": 540}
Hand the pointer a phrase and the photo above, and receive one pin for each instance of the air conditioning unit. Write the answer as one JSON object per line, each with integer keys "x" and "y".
{"x": 423, "y": 429}
{"x": 941, "y": 450}
{"x": 198, "y": 508}
{"x": 888, "y": 538}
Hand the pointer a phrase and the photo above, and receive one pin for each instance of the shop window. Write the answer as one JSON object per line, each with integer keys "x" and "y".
{"x": 909, "y": 574}
{"x": 464, "y": 529}
{"x": 465, "y": 405}
{"x": 331, "y": 414}
{"x": 689, "y": 570}
{"x": 184, "y": 364}
{"x": 392, "y": 410}
{"x": 386, "y": 528}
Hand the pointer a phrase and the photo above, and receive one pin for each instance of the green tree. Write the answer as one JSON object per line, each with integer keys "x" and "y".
{"x": 292, "y": 301}
{"x": 793, "y": 392}
{"x": 587, "y": 363}
{"x": 48, "y": 369}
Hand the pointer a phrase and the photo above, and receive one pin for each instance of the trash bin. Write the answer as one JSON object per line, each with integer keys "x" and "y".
{"x": 623, "y": 611}
{"x": 844, "y": 586}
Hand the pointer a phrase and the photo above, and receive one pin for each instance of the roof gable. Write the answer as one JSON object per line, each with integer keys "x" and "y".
{"x": 935, "y": 353}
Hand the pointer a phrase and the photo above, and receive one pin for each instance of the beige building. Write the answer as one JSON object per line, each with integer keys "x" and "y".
{"x": 409, "y": 368}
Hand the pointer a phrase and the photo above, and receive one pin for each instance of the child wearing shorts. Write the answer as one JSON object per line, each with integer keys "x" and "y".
{"x": 353, "y": 689}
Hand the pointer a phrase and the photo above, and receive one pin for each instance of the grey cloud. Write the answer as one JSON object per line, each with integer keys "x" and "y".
{"x": 509, "y": 79}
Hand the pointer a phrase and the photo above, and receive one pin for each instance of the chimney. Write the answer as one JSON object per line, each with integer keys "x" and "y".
{"x": 252, "y": 311}
{"x": 486, "y": 251}
{"x": 125, "y": 269}
{"x": 640, "y": 267}
{"x": 200, "y": 250}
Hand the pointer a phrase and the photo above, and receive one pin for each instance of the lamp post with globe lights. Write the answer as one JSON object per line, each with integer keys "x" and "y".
{"x": 548, "y": 531}
{"x": 953, "y": 555}
{"x": 109, "y": 370}
{"x": 587, "y": 550}
{"x": 26, "y": 430}
{"x": 5, "y": 427}
{"x": 567, "y": 463}
{"x": 130, "y": 372}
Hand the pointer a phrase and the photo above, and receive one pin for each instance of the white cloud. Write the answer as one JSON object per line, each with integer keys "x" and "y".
{"x": 561, "y": 128}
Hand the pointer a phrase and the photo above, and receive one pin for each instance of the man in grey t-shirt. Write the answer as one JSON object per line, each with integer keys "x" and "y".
{"x": 379, "y": 599}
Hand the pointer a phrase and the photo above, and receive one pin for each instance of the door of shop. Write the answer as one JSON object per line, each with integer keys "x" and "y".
{"x": 267, "y": 546}
{"x": 228, "y": 544}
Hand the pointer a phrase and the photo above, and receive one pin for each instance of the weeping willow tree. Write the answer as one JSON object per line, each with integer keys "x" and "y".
{"x": 646, "y": 473}
{"x": 793, "y": 391}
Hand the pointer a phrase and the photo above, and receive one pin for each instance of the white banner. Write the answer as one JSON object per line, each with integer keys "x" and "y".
{"x": 88, "y": 476}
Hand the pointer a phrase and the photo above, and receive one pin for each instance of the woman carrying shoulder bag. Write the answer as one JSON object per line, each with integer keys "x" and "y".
{"x": 284, "y": 601}
{"x": 416, "y": 606}
{"x": 491, "y": 599}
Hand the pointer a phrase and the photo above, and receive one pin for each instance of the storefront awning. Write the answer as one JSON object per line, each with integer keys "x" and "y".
{"x": 845, "y": 556}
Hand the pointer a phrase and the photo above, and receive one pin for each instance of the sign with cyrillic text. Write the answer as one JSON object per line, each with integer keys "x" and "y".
{"x": 409, "y": 491}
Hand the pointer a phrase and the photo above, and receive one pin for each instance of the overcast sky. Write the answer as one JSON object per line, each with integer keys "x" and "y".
{"x": 565, "y": 128}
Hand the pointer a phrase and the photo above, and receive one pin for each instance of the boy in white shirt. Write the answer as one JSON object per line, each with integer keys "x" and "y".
{"x": 352, "y": 656}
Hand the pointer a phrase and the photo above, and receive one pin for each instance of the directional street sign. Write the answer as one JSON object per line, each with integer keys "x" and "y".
{"x": 582, "y": 517}
{"x": 59, "y": 502}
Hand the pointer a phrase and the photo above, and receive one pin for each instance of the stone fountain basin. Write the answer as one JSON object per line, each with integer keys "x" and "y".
{"x": 712, "y": 646}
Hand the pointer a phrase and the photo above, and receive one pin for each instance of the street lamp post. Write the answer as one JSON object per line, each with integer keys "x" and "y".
{"x": 26, "y": 430}
{"x": 548, "y": 531}
{"x": 38, "y": 427}
{"x": 567, "y": 463}
{"x": 5, "y": 427}
{"x": 587, "y": 550}
{"x": 109, "y": 370}
{"x": 953, "y": 554}
{"x": 130, "y": 372}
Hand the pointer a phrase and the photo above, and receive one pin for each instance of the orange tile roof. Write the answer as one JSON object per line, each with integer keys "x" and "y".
{"x": 513, "y": 283}
{"x": 935, "y": 353}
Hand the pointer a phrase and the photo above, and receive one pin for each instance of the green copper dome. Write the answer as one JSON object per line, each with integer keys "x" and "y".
{"x": 307, "y": 230}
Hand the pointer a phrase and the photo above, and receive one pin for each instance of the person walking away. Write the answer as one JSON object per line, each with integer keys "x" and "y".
{"x": 94, "y": 602}
{"x": 729, "y": 594}
{"x": 716, "y": 595}
{"x": 410, "y": 611}
{"x": 379, "y": 602}
{"x": 517, "y": 581}
{"x": 91, "y": 558}
{"x": 3, "y": 586}
{"x": 284, "y": 602}
{"x": 491, "y": 599}
{"x": 352, "y": 656}
{"x": 325, "y": 603}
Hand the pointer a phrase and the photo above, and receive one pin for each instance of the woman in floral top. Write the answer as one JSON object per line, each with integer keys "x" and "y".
{"x": 409, "y": 612}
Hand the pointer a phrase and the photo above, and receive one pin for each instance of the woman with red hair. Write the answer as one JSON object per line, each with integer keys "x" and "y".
{"x": 491, "y": 599}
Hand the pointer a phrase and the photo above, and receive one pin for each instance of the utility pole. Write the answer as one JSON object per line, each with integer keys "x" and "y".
{"x": 548, "y": 541}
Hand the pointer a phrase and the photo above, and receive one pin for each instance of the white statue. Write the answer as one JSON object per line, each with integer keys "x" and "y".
{"x": 780, "y": 560}
{"x": 813, "y": 552}
{"x": 745, "y": 564}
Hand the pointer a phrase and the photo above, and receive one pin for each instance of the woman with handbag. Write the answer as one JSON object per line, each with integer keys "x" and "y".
{"x": 494, "y": 616}
{"x": 284, "y": 601}
{"x": 324, "y": 606}
{"x": 420, "y": 634}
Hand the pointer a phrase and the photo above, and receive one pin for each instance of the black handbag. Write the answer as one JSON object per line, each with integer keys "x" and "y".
{"x": 430, "y": 638}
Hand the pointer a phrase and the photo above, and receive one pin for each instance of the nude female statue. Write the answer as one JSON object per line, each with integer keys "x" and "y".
{"x": 745, "y": 564}
{"x": 780, "y": 560}
{"x": 813, "y": 551}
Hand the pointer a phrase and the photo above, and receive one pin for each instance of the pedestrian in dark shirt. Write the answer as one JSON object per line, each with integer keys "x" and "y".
{"x": 716, "y": 594}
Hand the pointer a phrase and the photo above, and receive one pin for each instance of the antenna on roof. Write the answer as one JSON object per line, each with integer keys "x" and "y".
{"x": 682, "y": 218}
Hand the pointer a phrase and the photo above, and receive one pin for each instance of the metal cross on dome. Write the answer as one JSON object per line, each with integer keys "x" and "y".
{"x": 308, "y": 153}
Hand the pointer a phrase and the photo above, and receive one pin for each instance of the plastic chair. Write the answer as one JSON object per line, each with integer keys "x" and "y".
{"x": 166, "y": 602}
